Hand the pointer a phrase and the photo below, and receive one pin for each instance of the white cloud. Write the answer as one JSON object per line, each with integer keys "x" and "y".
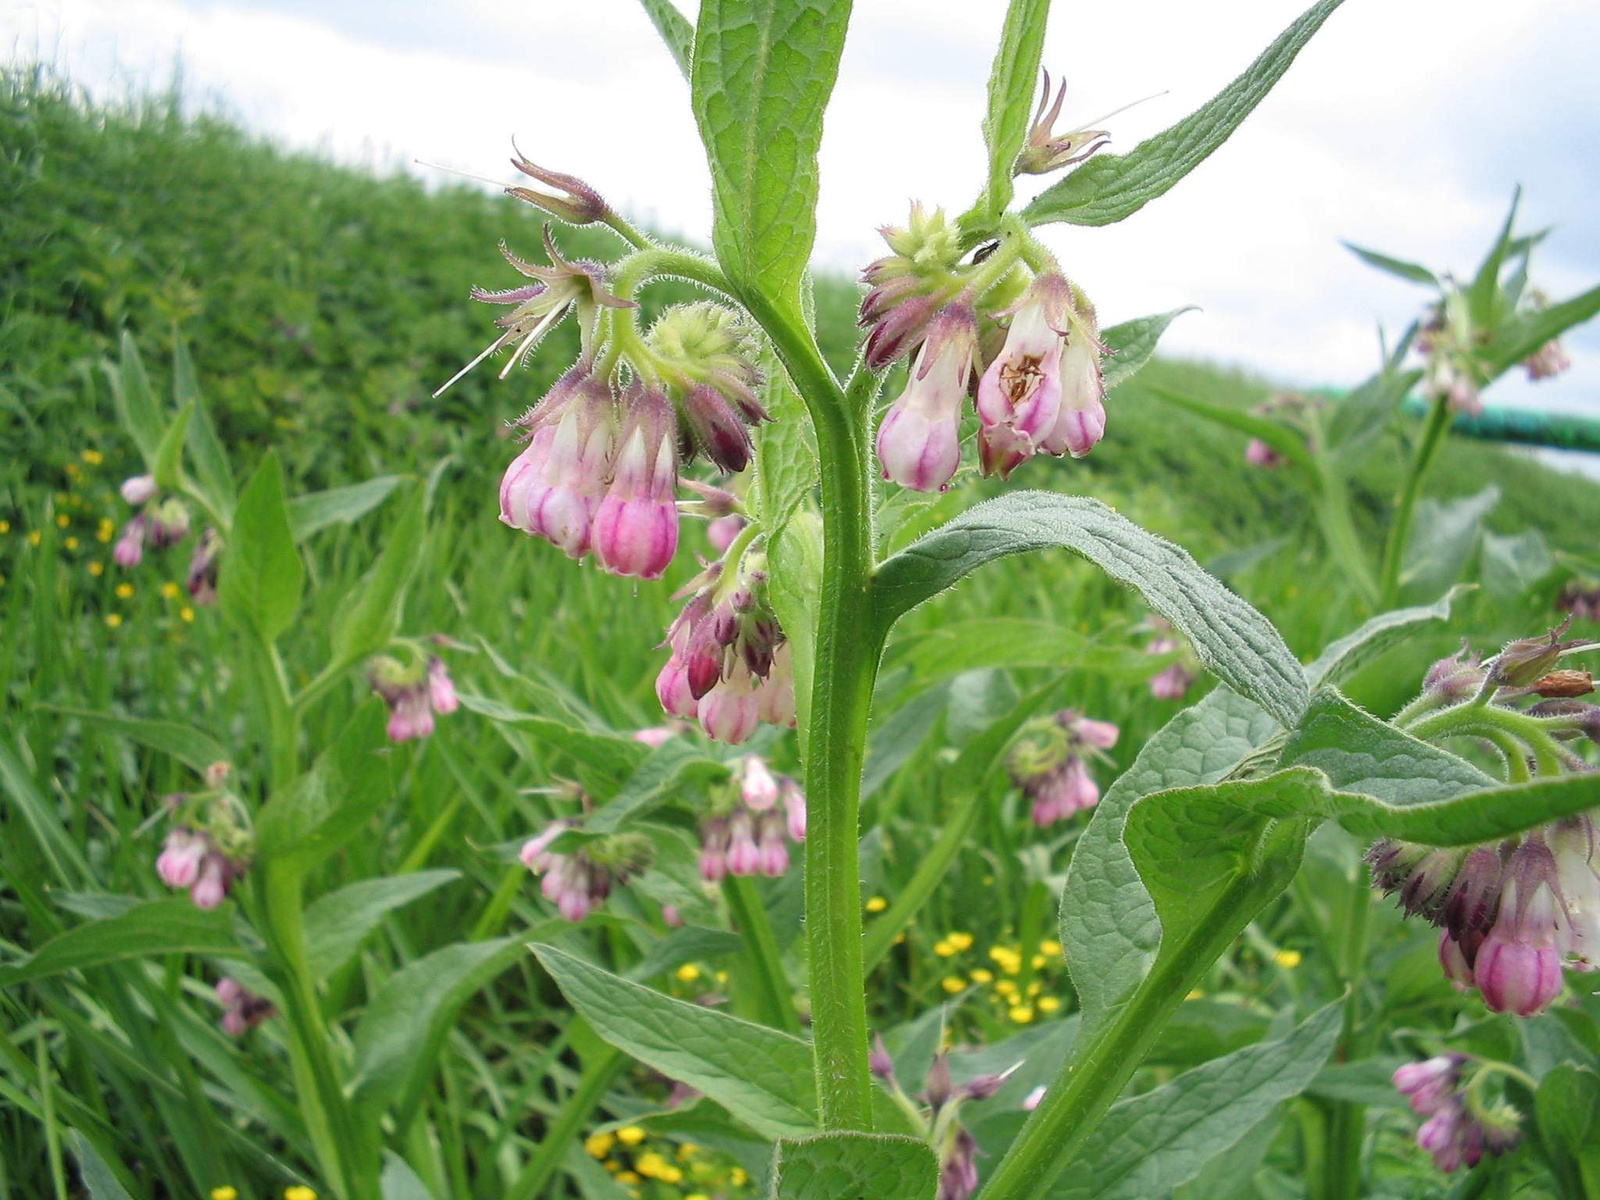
{"x": 1398, "y": 126}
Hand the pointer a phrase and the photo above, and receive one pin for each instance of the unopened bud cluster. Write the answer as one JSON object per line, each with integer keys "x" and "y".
{"x": 1288, "y": 410}
{"x": 940, "y": 1117}
{"x": 1459, "y": 1128}
{"x": 751, "y": 823}
{"x": 207, "y": 849}
{"x": 1025, "y": 345}
{"x": 414, "y": 693}
{"x": 578, "y": 881}
{"x": 1049, "y": 764}
{"x": 242, "y": 1010}
{"x": 729, "y": 665}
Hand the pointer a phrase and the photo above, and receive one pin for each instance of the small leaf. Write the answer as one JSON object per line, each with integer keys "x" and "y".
{"x": 1347, "y": 655}
{"x": 1231, "y": 638}
{"x": 845, "y": 1166}
{"x": 1444, "y": 537}
{"x": 405, "y": 1024}
{"x": 262, "y": 577}
{"x": 169, "y": 454}
{"x": 337, "y": 924}
{"x": 762, "y": 74}
{"x": 339, "y": 506}
{"x": 1012, "y": 82}
{"x": 399, "y": 1181}
{"x": 333, "y": 801}
{"x": 188, "y": 746}
{"x": 1357, "y": 419}
{"x": 675, "y": 31}
{"x": 213, "y": 472}
{"x": 1133, "y": 342}
{"x": 762, "y": 1076}
{"x": 1520, "y": 336}
{"x": 1154, "y": 1142}
{"x": 1414, "y": 272}
{"x": 665, "y": 770}
{"x": 136, "y": 404}
{"x": 1290, "y": 443}
{"x": 1111, "y": 187}
{"x": 786, "y": 456}
{"x": 1568, "y": 1108}
{"x": 98, "y": 1178}
{"x": 367, "y": 623}
{"x": 172, "y": 926}
{"x": 1484, "y": 290}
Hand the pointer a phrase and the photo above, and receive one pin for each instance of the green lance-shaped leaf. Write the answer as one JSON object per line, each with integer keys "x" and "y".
{"x": 1012, "y": 81}
{"x": 606, "y": 760}
{"x": 675, "y": 31}
{"x": 169, "y": 454}
{"x": 1234, "y": 640}
{"x": 842, "y": 1166}
{"x": 189, "y": 746}
{"x": 137, "y": 408}
{"x": 762, "y": 74}
{"x": 172, "y": 926}
{"x": 1286, "y": 441}
{"x": 1154, "y": 1142}
{"x": 1345, "y": 656}
{"x": 1414, "y": 272}
{"x": 405, "y": 1024}
{"x": 212, "y": 470}
{"x": 262, "y": 577}
{"x": 339, "y": 922}
{"x": 98, "y": 1177}
{"x": 365, "y": 625}
{"x": 1132, "y": 343}
{"x": 339, "y": 506}
{"x": 1483, "y": 294}
{"x": 332, "y": 802}
{"x": 1521, "y": 335}
{"x": 764, "y": 1077}
{"x": 1111, "y": 187}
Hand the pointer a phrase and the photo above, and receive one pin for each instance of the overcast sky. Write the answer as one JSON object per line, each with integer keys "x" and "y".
{"x": 1404, "y": 125}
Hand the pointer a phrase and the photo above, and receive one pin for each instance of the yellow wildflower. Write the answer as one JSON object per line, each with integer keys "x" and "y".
{"x": 62, "y": 520}
{"x": 627, "y": 1177}
{"x": 1051, "y": 947}
{"x": 106, "y": 530}
{"x": 71, "y": 543}
{"x": 1197, "y": 994}
{"x": 1006, "y": 988}
{"x": 979, "y": 975}
{"x": 97, "y": 569}
{"x": 93, "y": 457}
{"x": 1038, "y": 960}
{"x": 1048, "y": 1004}
{"x": 598, "y": 1145}
{"x": 687, "y": 1151}
{"x": 953, "y": 984}
{"x": 943, "y": 949}
{"x": 299, "y": 1192}
{"x": 630, "y": 1135}
{"x": 1021, "y": 1014}
{"x": 961, "y": 941}
{"x": 651, "y": 1165}
{"x": 114, "y": 620}
{"x": 225, "y": 1192}
{"x": 737, "y": 1177}
{"x": 1287, "y": 959}
{"x": 688, "y": 973}
{"x": 124, "y": 591}
{"x": 169, "y": 590}
{"x": 35, "y": 537}
{"x": 186, "y": 613}
{"x": 5, "y": 526}
{"x": 876, "y": 904}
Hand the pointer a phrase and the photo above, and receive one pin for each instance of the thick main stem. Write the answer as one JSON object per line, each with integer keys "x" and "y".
{"x": 845, "y": 666}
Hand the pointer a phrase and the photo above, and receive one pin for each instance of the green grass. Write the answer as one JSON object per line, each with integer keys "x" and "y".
{"x": 322, "y": 306}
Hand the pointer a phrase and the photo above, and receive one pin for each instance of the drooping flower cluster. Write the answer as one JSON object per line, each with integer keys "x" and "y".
{"x": 1031, "y": 341}
{"x": 242, "y": 1010}
{"x": 413, "y": 693}
{"x": 751, "y": 822}
{"x": 599, "y": 471}
{"x": 1288, "y": 410}
{"x": 1048, "y": 764}
{"x": 729, "y": 664}
{"x": 160, "y": 521}
{"x": 940, "y": 1116}
{"x": 1174, "y": 680}
{"x": 1448, "y": 342}
{"x": 204, "y": 567}
{"x": 1459, "y": 1127}
{"x": 1512, "y": 913}
{"x": 578, "y": 880}
{"x": 207, "y": 848}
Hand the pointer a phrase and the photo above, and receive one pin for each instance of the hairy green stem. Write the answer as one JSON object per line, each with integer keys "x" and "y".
{"x": 849, "y": 644}
{"x": 1346, "y": 1126}
{"x": 774, "y": 997}
{"x": 1096, "y": 1072}
{"x": 1405, "y": 510}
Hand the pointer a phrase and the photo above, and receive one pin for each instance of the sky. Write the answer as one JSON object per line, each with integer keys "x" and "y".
{"x": 1404, "y": 126}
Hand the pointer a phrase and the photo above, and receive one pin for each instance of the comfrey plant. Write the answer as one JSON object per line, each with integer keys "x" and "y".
{"x": 789, "y": 623}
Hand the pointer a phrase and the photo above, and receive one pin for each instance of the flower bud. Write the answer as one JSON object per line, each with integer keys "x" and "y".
{"x": 1564, "y": 684}
{"x": 441, "y": 688}
{"x": 129, "y": 550}
{"x": 139, "y": 490}
{"x": 744, "y": 856}
{"x": 1524, "y": 662}
{"x": 636, "y": 526}
{"x": 553, "y": 488}
{"x": 1455, "y": 678}
{"x": 774, "y": 852}
{"x": 919, "y": 440}
{"x": 714, "y": 850}
{"x": 721, "y": 532}
{"x": 169, "y": 522}
{"x": 578, "y": 203}
{"x": 1518, "y": 967}
{"x": 794, "y": 810}
{"x": 1548, "y": 361}
{"x": 1172, "y": 683}
{"x": 1259, "y": 454}
{"x": 179, "y": 861}
{"x": 878, "y": 1060}
{"x": 730, "y": 711}
{"x": 1429, "y": 1085}
{"x": 757, "y": 787}
{"x": 211, "y": 885}
{"x": 1081, "y": 422}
